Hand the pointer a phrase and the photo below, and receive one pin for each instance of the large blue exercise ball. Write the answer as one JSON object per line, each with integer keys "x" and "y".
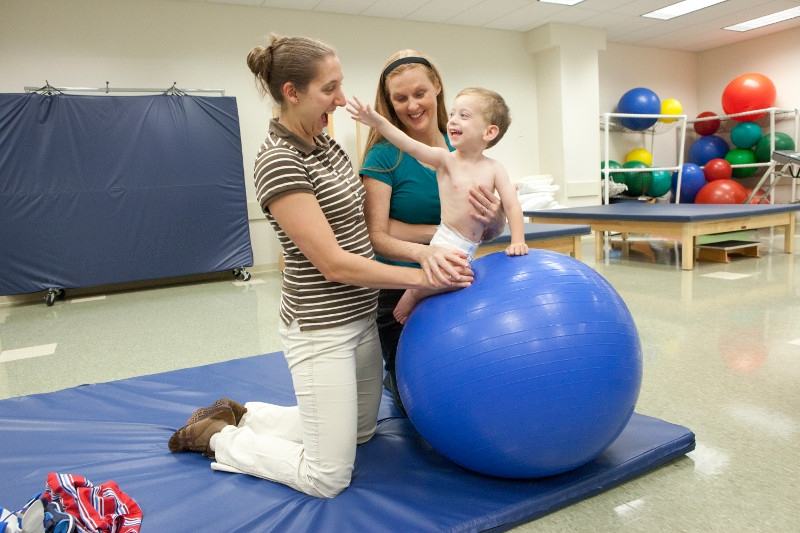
{"x": 531, "y": 371}
{"x": 641, "y": 101}
{"x": 704, "y": 149}
{"x": 692, "y": 180}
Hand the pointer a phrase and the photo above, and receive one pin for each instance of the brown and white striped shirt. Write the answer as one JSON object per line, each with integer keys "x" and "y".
{"x": 287, "y": 163}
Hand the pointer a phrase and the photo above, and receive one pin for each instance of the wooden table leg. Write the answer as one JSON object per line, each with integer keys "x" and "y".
{"x": 598, "y": 246}
{"x": 687, "y": 250}
{"x": 576, "y": 247}
{"x": 788, "y": 235}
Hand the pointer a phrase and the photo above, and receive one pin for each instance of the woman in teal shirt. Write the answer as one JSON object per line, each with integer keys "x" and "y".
{"x": 402, "y": 203}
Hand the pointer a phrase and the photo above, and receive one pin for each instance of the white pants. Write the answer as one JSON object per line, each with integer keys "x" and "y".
{"x": 447, "y": 237}
{"x": 311, "y": 447}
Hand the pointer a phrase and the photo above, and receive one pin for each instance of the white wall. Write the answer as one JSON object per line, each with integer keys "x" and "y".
{"x": 669, "y": 73}
{"x": 150, "y": 43}
{"x": 551, "y": 128}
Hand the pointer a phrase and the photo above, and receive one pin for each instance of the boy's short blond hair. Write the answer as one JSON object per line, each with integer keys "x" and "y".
{"x": 495, "y": 110}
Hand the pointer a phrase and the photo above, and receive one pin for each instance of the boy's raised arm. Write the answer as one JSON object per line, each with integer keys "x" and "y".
{"x": 430, "y": 155}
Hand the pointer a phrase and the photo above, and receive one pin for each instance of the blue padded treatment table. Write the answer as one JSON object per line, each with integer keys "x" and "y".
{"x": 682, "y": 222}
{"x": 119, "y": 431}
{"x": 564, "y": 238}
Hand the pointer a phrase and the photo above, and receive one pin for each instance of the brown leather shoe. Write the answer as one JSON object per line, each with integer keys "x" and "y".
{"x": 195, "y": 437}
{"x": 238, "y": 410}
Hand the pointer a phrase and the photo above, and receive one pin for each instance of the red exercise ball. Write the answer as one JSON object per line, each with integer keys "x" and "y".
{"x": 718, "y": 169}
{"x": 707, "y": 127}
{"x": 748, "y": 92}
{"x": 721, "y": 192}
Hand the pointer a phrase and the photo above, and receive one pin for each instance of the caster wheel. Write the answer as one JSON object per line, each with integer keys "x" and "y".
{"x": 241, "y": 274}
{"x": 52, "y": 295}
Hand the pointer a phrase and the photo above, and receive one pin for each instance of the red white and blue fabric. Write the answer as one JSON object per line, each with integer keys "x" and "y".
{"x": 103, "y": 508}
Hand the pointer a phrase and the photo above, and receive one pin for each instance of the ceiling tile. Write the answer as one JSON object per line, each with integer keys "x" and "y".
{"x": 291, "y": 4}
{"x": 350, "y": 7}
{"x": 486, "y": 11}
{"x": 602, "y": 5}
{"x": 615, "y": 21}
{"x": 639, "y": 7}
{"x": 526, "y": 18}
{"x": 239, "y": 2}
{"x": 393, "y": 8}
{"x": 441, "y": 10}
{"x": 573, "y": 15}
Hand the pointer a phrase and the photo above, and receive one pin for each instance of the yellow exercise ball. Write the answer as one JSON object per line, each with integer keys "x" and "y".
{"x": 640, "y": 154}
{"x": 670, "y": 106}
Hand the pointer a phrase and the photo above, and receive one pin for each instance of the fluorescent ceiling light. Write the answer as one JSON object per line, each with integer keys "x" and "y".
{"x": 562, "y": 2}
{"x": 766, "y": 20}
{"x": 681, "y": 8}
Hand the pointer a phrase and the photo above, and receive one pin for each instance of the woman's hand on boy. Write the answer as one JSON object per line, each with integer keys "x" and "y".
{"x": 444, "y": 267}
{"x": 488, "y": 210}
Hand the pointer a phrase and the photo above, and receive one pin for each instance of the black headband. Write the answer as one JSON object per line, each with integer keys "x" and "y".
{"x": 403, "y": 61}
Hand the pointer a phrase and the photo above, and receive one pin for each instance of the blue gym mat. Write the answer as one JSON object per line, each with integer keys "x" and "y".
{"x": 119, "y": 431}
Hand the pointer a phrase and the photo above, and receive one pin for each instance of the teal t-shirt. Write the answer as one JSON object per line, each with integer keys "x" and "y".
{"x": 415, "y": 193}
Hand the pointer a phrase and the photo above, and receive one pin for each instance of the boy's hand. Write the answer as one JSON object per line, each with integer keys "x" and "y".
{"x": 517, "y": 248}
{"x": 363, "y": 113}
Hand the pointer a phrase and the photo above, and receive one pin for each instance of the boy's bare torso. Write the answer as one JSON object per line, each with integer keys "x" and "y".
{"x": 455, "y": 181}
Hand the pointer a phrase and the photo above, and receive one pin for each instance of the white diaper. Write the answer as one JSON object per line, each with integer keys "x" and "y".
{"x": 447, "y": 237}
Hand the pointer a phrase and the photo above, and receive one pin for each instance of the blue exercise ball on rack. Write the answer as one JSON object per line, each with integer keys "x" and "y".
{"x": 692, "y": 180}
{"x": 707, "y": 148}
{"x": 531, "y": 371}
{"x": 641, "y": 101}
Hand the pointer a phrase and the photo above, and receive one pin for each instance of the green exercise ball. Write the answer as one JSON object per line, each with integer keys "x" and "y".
{"x": 659, "y": 183}
{"x": 782, "y": 142}
{"x": 745, "y": 134}
{"x": 636, "y": 181}
{"x": 619, "y": 177}
{"x": 742, "y": 156}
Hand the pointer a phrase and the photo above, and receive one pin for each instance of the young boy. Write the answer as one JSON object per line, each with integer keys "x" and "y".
{"x": 478, "y": 121}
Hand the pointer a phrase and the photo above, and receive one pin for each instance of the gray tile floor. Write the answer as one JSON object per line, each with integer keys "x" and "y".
{"x": 722, "y": 357}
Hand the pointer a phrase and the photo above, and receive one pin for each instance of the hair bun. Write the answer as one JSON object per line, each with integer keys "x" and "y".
{"x": 259, "y": 59}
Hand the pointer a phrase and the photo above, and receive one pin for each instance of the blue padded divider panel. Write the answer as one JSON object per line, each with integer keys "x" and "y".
{"x": 109, "y": 189}
{"x": 662, "y": 212}
{"x": 119, "y": 431}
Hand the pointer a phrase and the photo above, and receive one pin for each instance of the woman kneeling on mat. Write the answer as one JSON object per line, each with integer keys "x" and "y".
{"x": 314, "y": 201}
